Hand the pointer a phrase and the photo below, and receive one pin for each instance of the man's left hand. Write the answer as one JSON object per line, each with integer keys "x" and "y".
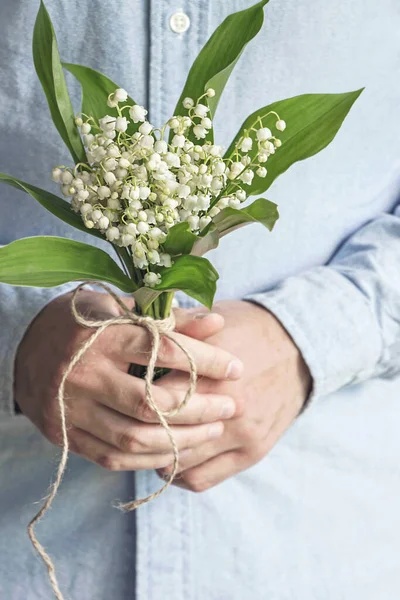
{"x": 269, "y": 396}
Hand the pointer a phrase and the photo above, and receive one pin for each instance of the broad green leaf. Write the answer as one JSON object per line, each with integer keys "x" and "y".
{"x": 217, "y": 59}
{"x": 50, "y": 261}
{"x": 49, "y": 70}
{"x": 313, "y": 121}
{"x": 181, "y": 240}
{"x": 190, "y": 274}
{"x": 58, "y": 207}
{"x": 207, "y": 242}
{"x": 96, "y": 88}
{"x": 260, "y": 211}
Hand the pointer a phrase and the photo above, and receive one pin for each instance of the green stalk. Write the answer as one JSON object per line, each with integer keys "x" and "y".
{"x": 159, "y": 309}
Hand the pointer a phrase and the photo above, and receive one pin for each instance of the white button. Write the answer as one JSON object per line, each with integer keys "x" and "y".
{"x": 179, "y": 22}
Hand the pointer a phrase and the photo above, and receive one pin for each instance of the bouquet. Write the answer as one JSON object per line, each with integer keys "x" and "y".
{"x": 161, "y": 195}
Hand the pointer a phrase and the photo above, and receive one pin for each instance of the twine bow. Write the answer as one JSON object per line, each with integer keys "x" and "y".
{"x": 156, "y": 329}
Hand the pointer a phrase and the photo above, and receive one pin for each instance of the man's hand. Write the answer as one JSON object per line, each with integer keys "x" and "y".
{"x": 269, "y": 396}
{"x": 108, "y": 419}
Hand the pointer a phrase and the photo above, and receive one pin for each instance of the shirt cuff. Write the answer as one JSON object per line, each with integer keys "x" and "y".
{"x": 331, "y": 323}
{"x": 19, "y": 307}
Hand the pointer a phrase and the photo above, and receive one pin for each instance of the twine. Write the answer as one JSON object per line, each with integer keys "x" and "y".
{"x": 156, "y": 329}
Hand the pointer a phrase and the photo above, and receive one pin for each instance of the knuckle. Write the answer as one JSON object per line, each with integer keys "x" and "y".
{"x": 51, "y": 430}
{"x": 168, "y": 352}
{"x": 108, "y": 462}
{"x": 143, "y": 411}
{"x": 127, "y": 441}
{"x": 207, "y": 409}
{"x": 240, "y": 405}
{"x": 251, "y": 433}
{"x": 195, "y": 483}
{"x": 255, "y": 453}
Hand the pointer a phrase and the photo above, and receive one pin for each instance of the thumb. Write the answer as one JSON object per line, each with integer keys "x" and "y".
{"x": 198, "y": 323}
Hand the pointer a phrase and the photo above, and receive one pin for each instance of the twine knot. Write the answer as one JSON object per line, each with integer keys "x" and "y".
{"x": 156, "y": 330}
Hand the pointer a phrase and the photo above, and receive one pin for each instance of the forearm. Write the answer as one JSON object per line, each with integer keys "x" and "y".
{"x": 18, "y": 307}
{"x": 345, "y": 316}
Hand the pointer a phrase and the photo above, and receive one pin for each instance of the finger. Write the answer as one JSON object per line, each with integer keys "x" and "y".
{"x": 97, "y": 451}
{"x": 132, "y": 345}
{"x": 127, "y": 395}
{"x": 197, "y": 456}
{"x": 132, "y": 436}
{"x": 198, "y": 323}
{"x": 212, "y": 472}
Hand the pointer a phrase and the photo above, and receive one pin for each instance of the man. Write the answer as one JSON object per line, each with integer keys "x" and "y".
{"x": 315, "y": 305}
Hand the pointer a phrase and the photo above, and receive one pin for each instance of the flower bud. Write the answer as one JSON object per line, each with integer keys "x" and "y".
{"x": 280, "y": 125}
{"x": 104, "y": 192}
{"x": 103, "y": 223}
{"x": 152, "y": 279}
{"x": 146, "y": 128}
{"x": 96, "y": 215}
{"x": 137, "y": 113}
{"x": 263, "y": 134}
{"x": 241, "y": 195}
{"x": 112, "y": 234}
{"x": 142, "y": 227}
{"x": 121, "y": 124}
{"x": 131, "y": 228}
{"x": 199, "y": 131}
{"x": 246, "y": 144}
{"x": 120, "y": 95}
{"x": 86, "y": 128}
{"x": 178, "y": 141}
{"x": 165, "y": 259}
{"x": 201, "y": 110}
{"x": 83, "y": 195}
{"x": 124, "y": 163}
{"x": 86, "y": 208}
{"x": 193, "y": 221}
{"x": 261, "y": 172}
{"x": 66, "y": 177}
{"x": 56, "y": 174}
{"x": 109, "y": 178}
{"x": 161, "y": 147}
{"x": 127, "y": 239}
{"x": 188, "y": 103}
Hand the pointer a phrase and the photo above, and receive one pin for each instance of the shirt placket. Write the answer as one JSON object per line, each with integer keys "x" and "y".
{"x": 177, "y": 31}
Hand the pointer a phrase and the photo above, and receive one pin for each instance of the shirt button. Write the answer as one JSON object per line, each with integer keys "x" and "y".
{"x": 179, "y": 22}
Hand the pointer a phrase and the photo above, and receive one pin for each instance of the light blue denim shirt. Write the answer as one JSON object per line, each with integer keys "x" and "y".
{"x": 318, "y": 518}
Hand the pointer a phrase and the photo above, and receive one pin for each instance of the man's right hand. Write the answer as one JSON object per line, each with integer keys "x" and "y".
{"x": 108, "y": 419}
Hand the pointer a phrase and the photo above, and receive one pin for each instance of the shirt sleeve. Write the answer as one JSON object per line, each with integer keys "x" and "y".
{"x": 345, "y": 316}
{"x": 18, "y": 307}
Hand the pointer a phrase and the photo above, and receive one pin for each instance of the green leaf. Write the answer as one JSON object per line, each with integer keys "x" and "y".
{"x": 58, "y": 207}
{"x": 260, "y": 211}
{"x": 49, "y": 70}
{"x": 217, "y": 59}
{"x": 313, "y": 121}
{"x": 50, "y": 261}
{"x": 180, "y": 239}
{"x": 206, "y": 242}
{"x": 190, "y": 274}
{"x": 96, "y": 88}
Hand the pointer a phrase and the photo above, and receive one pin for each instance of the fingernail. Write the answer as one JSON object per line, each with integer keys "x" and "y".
{"x": 215, "y": 430}
{"x": 228, "y": 410}
{"x": 202, "y": 315}
{"x": 235, "y": 369}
